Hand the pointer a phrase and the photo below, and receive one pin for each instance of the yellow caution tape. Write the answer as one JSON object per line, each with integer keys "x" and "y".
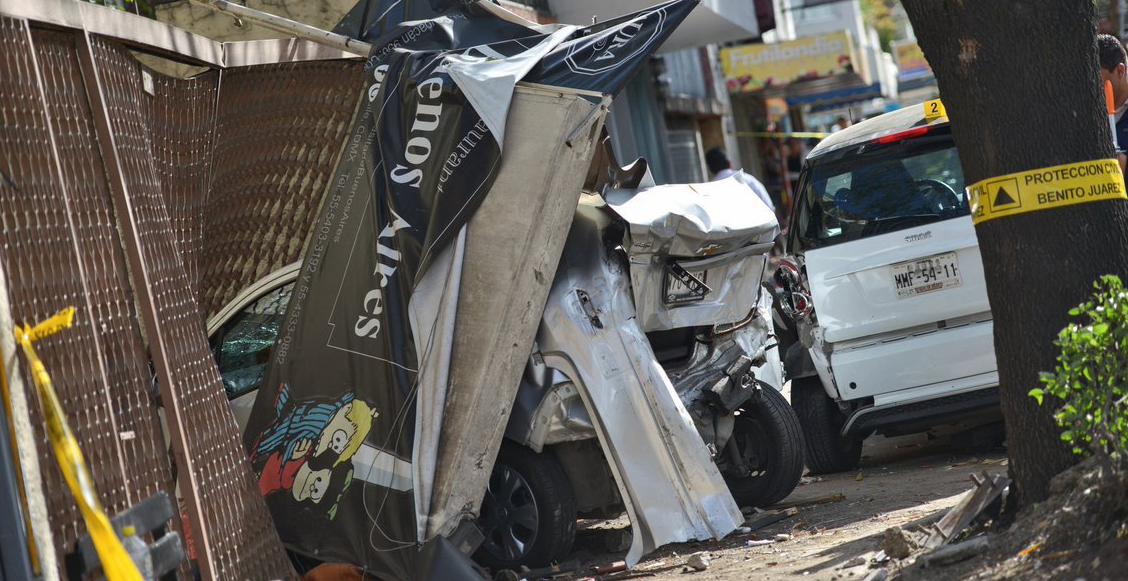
{"x": 115, "y": 561}
{"x": 934, "y": 110}
{"x": 1049, "y": 187}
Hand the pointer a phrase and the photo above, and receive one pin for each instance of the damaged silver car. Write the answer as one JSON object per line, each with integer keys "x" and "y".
{"x": 652, "y": 361}
{"x": 654, "y": 385}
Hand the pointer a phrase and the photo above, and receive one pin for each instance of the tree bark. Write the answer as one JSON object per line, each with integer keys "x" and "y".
{"x": 1020, "y": 82}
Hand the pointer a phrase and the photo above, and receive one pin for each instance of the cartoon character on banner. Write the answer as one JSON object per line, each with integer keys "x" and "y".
{"x": 305, "y": 454}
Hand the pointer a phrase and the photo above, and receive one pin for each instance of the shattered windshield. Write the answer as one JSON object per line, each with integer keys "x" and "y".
{"x": 872, "y": 193}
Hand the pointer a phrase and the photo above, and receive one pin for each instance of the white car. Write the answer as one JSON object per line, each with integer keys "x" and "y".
{"x": 888, "y": 328}
{"x": 242, "y": 335}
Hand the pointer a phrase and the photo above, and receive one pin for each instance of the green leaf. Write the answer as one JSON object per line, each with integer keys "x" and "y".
{"x": 1037, "y": 394}
{"x": 1074, "y": 311}
{"x": 1067, "y": 435}
{"x": 1100, "y": 329}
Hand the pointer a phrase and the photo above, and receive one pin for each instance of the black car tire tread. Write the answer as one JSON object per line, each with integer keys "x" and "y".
{"x": 828, "y": 451}
{"x": 786, "y": 466}
{"x": 556, "y": 507}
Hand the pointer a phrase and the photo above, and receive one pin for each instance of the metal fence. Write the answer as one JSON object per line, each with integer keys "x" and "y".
{"x": 148, "y": 206}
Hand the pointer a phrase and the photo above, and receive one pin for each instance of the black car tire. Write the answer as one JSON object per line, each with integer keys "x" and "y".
{"x": 772, "y": 426}
{"x": 828, "y": 450}
{"x": 524, "y": 484}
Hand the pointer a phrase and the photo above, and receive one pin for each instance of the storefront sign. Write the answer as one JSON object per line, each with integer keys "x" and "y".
{"x": 909, "y": 57}
{"x": 754, "y": 66}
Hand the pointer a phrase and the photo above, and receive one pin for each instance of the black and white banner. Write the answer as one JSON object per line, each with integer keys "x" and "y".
{"x": 333, "y": 437}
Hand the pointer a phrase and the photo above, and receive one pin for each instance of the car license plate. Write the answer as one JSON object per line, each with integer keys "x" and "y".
{"x": 678, "y": 292}
{"x": 926, "y": 275}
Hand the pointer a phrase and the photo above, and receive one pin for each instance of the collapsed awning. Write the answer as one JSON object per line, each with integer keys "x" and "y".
{"x": 831, "y": 92}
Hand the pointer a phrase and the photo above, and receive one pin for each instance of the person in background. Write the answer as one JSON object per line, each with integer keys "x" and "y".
{"x": 796, "y": 153}
{"x": 1114, "y": 68}
{"x": 718, "y": 163}
{"x": 773, "y": 169}
{"x": 839, "y": 124}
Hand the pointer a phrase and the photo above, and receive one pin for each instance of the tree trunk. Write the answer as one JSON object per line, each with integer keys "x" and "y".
{"x": 1020, "y": 82}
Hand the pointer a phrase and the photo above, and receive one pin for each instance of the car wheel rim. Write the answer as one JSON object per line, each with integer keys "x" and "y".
{"x": 753, "y": 443}
{"x": 509, "y": 515}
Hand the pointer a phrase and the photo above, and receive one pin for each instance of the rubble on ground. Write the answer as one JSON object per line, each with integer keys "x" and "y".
{"x": 897, "y": 543}
{"x": 1080, "y": 531}
{"x": 698, "y": 561}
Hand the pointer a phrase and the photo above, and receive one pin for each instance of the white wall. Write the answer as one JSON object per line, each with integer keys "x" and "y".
{"x": 828, "y": 18}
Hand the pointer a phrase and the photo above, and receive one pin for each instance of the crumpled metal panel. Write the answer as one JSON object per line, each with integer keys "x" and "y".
{"x": 671, "y": 487}
{"x": 734, "y": 280}
{"x": 694, "y": 222}
{"x": 710, "y": 359}
{"x": 279, "y": 130}
{"x": 241, "y": 536}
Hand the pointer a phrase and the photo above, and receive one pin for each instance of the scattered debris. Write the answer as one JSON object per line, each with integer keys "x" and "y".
{"x": 699, "y": 561}
{"x": 879, "y": 575}
{"x": 550, "y": 571}
{"x": 612, "y": 568}
{"x": 837, "y": 496}
{"x": 810, "y": 480}
{"x": 897, "y": 544}
{"x": 782, "y": 537}
{"x": 855, "y": 562}
{"x": 967, "y": 462}
{"x": 955, "y": 553}
{"x": 753, "y": 543}
{"x": 987, "y": 489}
{"x": 1033, "y": 547}
{"x": 769, "y": 517}
{"x": 879, "y": 558}
{"x": 743, "y": 530}
{"x": 858, "y": 478}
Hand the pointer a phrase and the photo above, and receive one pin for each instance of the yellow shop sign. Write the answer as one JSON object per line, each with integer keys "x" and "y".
{"x": 752, "y": 66}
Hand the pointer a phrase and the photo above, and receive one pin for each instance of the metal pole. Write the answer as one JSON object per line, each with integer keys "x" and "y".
{"x": 287, "y": 26}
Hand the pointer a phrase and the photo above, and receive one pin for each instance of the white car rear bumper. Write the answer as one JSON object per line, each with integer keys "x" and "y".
{"x": 929, "y": 364}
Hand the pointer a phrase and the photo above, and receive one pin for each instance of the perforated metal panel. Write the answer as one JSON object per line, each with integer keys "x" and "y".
{"x": 58, "y": 247}
{"x": 240, "y": 541}
{"x": 280, "y": 130}
{"x": 141, "y": 206}
{"x": 181, "y": 119}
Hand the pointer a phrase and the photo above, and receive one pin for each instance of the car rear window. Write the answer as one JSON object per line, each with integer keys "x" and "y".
{"x": 859, "y": 195}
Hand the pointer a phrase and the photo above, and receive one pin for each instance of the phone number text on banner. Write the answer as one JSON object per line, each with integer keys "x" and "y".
{"x": 1049, "y": 187}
